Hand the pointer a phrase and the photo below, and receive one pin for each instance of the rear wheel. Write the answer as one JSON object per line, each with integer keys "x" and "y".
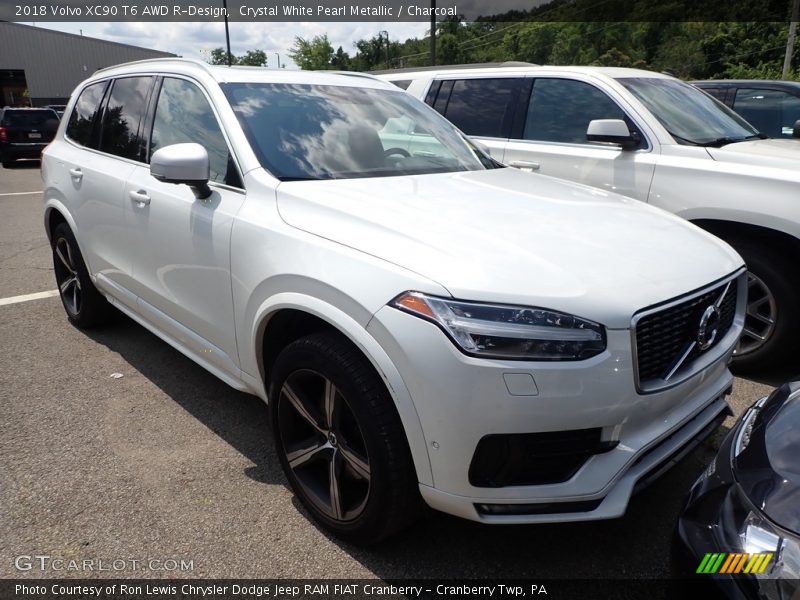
{"x": 85, "y": 306}
{"x": 772, "y": 320}
{"x": 340, "y": 440}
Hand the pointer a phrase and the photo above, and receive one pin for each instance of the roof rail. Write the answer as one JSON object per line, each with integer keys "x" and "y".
{"x": 508, "y": 63}
{"x": 196, "y": 61}
{"x": 353, "y": 74}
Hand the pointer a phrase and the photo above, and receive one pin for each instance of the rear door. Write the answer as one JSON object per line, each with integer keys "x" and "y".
{"x": 182, "y": 244}
{"x": 553, "y": 139}
{"x": 107, "y": 146}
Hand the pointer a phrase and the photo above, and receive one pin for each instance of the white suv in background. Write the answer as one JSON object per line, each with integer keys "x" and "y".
{"x": 654, "y": 138}
{"x": 424, "y": 323}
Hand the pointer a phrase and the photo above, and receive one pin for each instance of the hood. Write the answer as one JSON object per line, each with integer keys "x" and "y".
{"x": 768, "y": 469}
{"x": 781, "y": 154}
{"x": 506, "y": 236}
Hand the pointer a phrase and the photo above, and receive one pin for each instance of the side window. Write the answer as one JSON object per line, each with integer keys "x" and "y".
{"x": 122, "y": 116}
{"x": 184, "y": 115}
{"x": 560, "y": 110}
{"x": 770, "y": 111}
{"x": 82, "y": 120}
{"x": 482, "y": 107}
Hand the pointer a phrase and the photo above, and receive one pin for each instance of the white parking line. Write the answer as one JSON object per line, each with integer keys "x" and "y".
{"x": 19, "y": 193}
{"x": 28, "y": 297}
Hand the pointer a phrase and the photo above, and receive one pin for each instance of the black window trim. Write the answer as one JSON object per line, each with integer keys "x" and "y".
{"x": 646, "y": 147}
{"x": 150, "y": 105}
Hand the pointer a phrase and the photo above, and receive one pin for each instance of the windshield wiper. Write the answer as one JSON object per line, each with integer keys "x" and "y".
{"x": 723, "y": 141}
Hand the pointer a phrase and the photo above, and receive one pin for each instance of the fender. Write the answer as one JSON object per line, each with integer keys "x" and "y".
{"x": 351, "y": 329}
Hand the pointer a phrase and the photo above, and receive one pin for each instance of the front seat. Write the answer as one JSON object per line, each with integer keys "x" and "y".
{"x": 365, "y": 147}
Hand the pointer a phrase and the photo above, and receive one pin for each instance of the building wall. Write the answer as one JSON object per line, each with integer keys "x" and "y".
{"x": 55, "y": 62}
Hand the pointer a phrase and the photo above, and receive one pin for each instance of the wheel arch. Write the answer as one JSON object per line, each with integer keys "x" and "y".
{"x": 289, "y": 316}
{"x": 55, "y": 213}
{"x": 736, "y": 230}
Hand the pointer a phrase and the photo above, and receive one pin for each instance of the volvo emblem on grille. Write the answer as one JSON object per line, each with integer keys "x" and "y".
{"x": 707, "y": 331}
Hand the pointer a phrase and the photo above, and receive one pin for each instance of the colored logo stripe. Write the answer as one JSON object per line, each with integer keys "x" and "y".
{"x": 733, "y": 562}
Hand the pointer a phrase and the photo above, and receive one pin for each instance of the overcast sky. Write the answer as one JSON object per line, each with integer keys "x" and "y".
{"x": 196, "y": 40}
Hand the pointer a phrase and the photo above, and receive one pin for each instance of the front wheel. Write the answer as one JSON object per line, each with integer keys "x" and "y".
{"x": 340, "y": 440}
{"x": 772, "y": 320}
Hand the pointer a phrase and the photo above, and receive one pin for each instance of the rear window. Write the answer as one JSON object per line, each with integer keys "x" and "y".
{"x": 481, "y": 107}
{"x": 82, "y": 119}
{"x": 34, "y": 119}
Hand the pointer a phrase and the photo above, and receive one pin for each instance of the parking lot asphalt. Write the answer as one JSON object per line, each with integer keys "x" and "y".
{"x": 167, "y": 462}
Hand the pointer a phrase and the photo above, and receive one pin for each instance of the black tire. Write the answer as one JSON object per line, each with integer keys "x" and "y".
{"x": 388, "y": 499}
{"x": 7, "y": 164}
{"x": 777, "y": 274}
{"x": 84, "y": 305}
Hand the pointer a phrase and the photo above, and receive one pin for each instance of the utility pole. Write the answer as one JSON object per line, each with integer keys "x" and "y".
{"x": 433, "y": 32}
{"x": 787, "y": 59}
{"x": 227, "y": 33}
{"x": 279, "y": 59}
{"x": 385, "y": 34}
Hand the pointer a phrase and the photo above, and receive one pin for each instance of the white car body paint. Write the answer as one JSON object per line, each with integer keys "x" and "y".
{"x": 341, "y": 250}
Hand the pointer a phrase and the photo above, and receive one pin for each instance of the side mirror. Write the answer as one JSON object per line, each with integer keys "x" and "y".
{"x": 183, "y": 163}
{"x": 796, "y": 129}
{"x": 612, "y": 131}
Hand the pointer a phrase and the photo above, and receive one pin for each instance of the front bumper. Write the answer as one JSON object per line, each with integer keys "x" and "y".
{"x": 460, "y": 399}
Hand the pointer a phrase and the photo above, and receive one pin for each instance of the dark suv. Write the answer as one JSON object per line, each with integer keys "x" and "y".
{"x": 772, "y": 107}
{"x": 24, "y": 132}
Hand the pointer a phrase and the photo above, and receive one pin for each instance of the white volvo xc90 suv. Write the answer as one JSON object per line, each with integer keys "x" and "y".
{"x": 425, "y": 324}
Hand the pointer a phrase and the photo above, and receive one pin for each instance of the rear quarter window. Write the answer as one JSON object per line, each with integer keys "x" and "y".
{"x": 82, "y": 120}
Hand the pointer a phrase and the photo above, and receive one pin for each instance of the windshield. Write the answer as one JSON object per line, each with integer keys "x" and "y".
{"x": 689, "y": 115}
{"x": 337, "y": 132}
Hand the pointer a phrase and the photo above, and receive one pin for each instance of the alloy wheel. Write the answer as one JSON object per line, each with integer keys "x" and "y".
{"x": 323, "y": 445}
{"x": 759, "y": 321}
{"x": 69, "y": 283}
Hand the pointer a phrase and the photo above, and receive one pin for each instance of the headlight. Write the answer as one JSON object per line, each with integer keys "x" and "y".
{"x": 746, "y": 427}
{"x": 772, "y": 558}
{"x": 515, "y": 332}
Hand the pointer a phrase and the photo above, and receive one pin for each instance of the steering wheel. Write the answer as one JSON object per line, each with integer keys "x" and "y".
{"x": 395, "y": 151}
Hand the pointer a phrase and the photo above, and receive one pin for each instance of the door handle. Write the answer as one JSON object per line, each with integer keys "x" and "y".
{"x": 141, "y": 197}
{"x": 76, "y": 173}
{"x": 524, "y": 164}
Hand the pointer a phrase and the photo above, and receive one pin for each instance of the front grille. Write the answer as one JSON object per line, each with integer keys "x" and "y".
{"x": 502, "y": 460}
{"x": 663, "y": 336}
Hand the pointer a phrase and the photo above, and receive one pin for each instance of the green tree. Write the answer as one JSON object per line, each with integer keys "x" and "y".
{"x": 314, "y": 54}
{"x": 220, "y": 57}
{"x": 253, "y": 58}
